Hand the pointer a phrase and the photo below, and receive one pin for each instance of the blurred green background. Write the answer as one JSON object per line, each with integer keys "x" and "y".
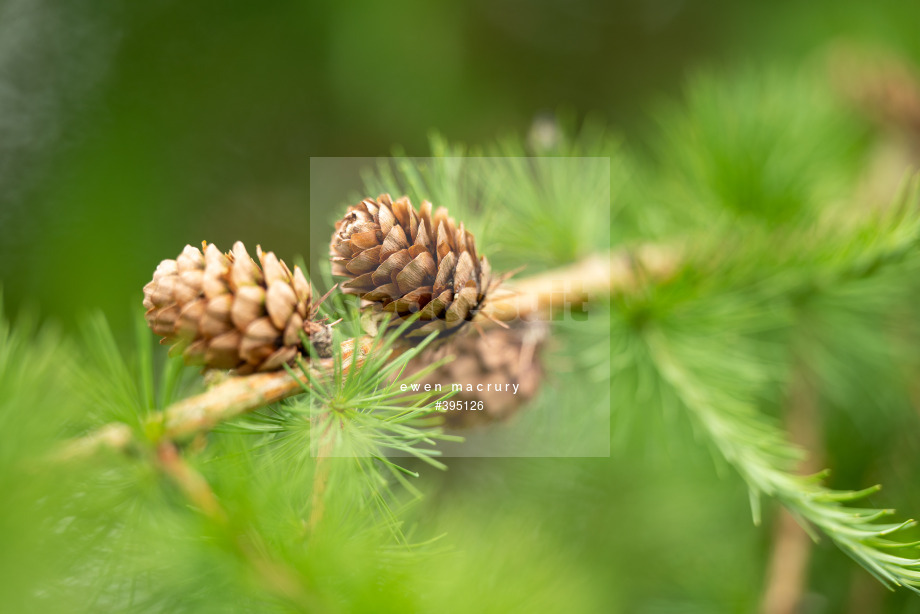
{"x": 128, "y": 129}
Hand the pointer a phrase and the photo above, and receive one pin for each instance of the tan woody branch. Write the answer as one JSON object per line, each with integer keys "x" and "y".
{"x": 535, "y": 296}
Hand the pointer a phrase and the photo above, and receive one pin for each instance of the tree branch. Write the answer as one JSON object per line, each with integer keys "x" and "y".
{"x": 787, "y": 573}
{"x": 536, "y": 296}
{"x": 274, "y": 576}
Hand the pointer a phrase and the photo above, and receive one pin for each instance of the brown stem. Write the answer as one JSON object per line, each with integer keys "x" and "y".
{"x": 321, "y": 475}
{"x": 115, "y": 436}
{"x": 787, "y": 570}
{"x": 597, "y": 275}
{"x": 200, "y": 413}
{"x": 534, "y": 296}
{"x": 275, "y": 577}
{"x": 190, "y": 482}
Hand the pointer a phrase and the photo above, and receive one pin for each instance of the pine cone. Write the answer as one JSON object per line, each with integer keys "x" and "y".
{"x": 407, "y": 261}
{"x": 224, "y": 312}
{"x": 498, "y": 358}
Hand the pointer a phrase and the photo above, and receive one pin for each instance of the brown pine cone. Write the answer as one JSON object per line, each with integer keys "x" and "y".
{"x": 500, "y": 358}
{"x": 407, "y": 261}
{"x": 224, "y": 312}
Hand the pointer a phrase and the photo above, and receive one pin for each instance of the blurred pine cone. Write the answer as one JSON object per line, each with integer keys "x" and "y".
{"x": 224, "y": 312}
{"x": 882, "y": 85}
{"x": 498, "y": 358}
{"x": 407, "y": 261}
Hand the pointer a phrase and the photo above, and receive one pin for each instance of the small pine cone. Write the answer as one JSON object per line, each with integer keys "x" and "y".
{"x": 224, "y": 312}
{"x": 406, "y": 261}
{"x": 497, "y": 358}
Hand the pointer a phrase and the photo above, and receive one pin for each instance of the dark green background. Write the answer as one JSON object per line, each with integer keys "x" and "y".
{"x": 131, "y": 129}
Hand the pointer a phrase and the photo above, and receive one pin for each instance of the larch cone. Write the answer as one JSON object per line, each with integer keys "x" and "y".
{"x": 406, "y": 261}
{"x": 225, "y": 311}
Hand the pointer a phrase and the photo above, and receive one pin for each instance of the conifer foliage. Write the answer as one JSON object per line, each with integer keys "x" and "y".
{"x": 792, "y": 298}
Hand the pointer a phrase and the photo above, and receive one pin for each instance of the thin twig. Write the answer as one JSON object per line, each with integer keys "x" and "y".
{"x": 115, "y": 436}
{"x": 321, "y": 475}
{"x": 787, "y": 572}
{"x": 200, "y": 413}
{"x": 539, "y": 295}
{"x": 274, "y": 576}
{"x": 190, "y": 482}
{"x": 597, "y": 275}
